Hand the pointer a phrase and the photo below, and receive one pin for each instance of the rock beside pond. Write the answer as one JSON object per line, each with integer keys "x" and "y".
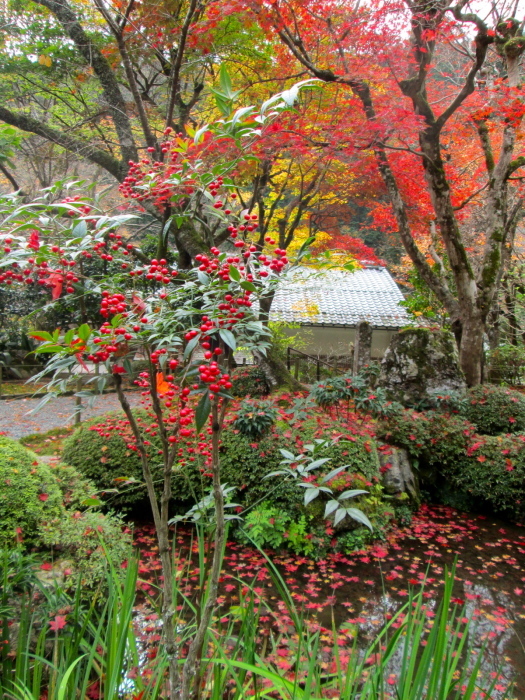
{"x": 398, "y": 476}
{"x": 421, "y": 364}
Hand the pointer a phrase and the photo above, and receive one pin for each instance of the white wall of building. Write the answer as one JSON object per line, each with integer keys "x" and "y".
{"x": 337, "y": 341}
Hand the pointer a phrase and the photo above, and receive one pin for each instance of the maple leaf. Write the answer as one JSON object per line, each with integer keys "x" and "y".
{"x": 58, "y": 623}
{"x": 46, "y": 566}
{"x": 43, "y": 497}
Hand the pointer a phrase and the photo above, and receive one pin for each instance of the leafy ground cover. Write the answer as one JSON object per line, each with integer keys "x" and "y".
{"x": 15, "y": 388}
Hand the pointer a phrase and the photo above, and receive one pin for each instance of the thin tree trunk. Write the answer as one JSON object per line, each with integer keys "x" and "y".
{"x": 191, "y": 673}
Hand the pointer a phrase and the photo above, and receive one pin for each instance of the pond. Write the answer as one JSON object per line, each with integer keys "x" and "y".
{"x": 361, "y": 589}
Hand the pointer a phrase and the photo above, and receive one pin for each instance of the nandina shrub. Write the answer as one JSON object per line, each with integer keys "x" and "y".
{"x": 254, "y": 419}
{"x": 249, "y": 381}
{"x": 29, "y": 494}
{"x": 495, "y": 410}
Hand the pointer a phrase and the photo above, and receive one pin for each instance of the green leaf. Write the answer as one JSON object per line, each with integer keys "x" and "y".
{"x": 310, "y": 495}
{"x": 235, "y": 275}
{"x": 83, "y": 332}
{"x": 80, "y": 229}
{"x": 318, "y": 463}
{"x": 92, "y": 502}
{"x": 228, "y": 338}
{"x": 225, "y": 80}
{"x": 287, "y": 455}
{"x": 49, "y": 348}
{"x": 330, "y": 507}
{"x": 249, "y": 286}
{"x": 203, "y": 278}
{"x": 190, "y": 347}
{"x": 340, "y": 515}
{"x": 200, "y": 133}
{"x": 69, "y": 336}
{"x": 352, "y": 493}
{"x": 332, "y": 474}
{"x": 203, "y": 411}
{"x": 62, "y": 688}
{"x": 358, "y": 515}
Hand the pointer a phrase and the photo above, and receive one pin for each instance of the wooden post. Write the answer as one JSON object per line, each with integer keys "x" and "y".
{"x": 78, "y": 401}
{"x": 363, "y": 346}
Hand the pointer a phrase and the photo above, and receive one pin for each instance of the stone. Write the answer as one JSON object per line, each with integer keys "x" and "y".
{"x": 398, "y": 477}
{"x": 363, "y": 346}
{"x": 419, "y": 365}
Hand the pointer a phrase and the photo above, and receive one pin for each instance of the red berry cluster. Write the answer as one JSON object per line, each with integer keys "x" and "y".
{"x": 212, "y": 375}
{"x": 114, "y": 243}
{"x": 157, "y": 270}
{"x": 113, "y": 304}
{"x": 85, "y": 209}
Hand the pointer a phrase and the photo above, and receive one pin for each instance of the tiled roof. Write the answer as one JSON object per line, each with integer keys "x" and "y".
{"x": 340, "y": 298}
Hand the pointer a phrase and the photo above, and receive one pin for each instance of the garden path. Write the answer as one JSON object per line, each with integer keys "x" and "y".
{"x": 16, "y": 421}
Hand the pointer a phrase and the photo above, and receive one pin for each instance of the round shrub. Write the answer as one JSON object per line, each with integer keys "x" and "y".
{"x": 495, "y": 410}
{"x": 255, "y": 418}
{"x": 492, "y": 473}
{"x": 434, "y": 438}
{"x": 75, "y": 488}
{"x": 358, "y": 453}
{"x": 249, "y": 381}
{"x": 29, "y": 494}
{"x": 114, "y": 468}
{"x": 90, "y": 541}
{"x": 245, "y": 463}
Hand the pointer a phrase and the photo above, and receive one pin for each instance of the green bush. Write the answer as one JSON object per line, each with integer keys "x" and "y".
{"x": 359, "y": 453}
{"x": 435, "y": 438}
{"x": 115, "y": 469}
{"x": 467, "y": 470}
{"x": 75, "y": 488}
{"x": 103, "y": 460}
{"x": 90, "y": 541}
{"x": 492, "y": 474}
{"x": 29, "y": 494}
{"x": 495, "y": 410}
{"x": 255, "y": 418}
{"x": 249, "y": 381}
{"x": 245, "y": 463}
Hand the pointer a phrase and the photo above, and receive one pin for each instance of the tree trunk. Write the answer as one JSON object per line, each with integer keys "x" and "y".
{"x": 471, "y": 349}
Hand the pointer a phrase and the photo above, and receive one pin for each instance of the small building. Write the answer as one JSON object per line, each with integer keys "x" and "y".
{"x": 329, "y": 304}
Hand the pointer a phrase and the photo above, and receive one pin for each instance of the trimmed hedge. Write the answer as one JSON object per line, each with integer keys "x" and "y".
{"x": 106, "y": 460}
{"x": 29, "y": 494}
{"x": 495, "y": 410}
{"x": 245, "y": 463}
{"x": 476, "y": 471}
